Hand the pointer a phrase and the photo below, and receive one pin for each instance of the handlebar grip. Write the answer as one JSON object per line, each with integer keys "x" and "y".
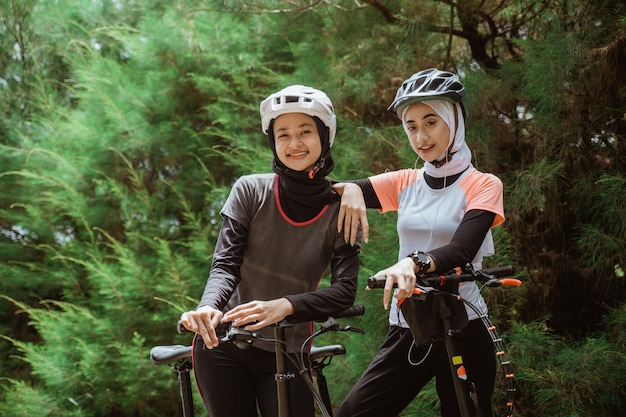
{"x": 511, "y": 282}
{"x": 500, "y": 271}
{"x": 180, "y": 329}
{"x": 376, "y": 282}
{"x": 352, "y": 311}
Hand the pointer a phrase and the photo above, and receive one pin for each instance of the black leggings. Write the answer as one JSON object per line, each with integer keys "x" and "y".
{"x": 233, "y": 382}
{"x": 390, "y": 382}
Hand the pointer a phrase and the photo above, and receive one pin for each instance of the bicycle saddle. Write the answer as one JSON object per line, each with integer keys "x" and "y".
{"x": 162, "y": 355}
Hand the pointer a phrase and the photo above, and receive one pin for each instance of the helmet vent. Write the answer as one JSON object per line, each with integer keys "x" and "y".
{"x": 428, "y": 85}
{"x": 299, "y": 99}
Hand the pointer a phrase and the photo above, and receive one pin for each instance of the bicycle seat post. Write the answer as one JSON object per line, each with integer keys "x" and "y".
{"x": 282, "y": 378}
{"x": 184, "y": 383}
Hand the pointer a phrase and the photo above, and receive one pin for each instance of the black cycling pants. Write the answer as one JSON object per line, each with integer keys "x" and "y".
{"x": 390, "y": 382}
{"x": 234, "y": 381}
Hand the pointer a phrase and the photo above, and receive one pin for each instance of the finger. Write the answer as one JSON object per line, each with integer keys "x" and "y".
{"x": 213, "y": 336}
{"x": 237, "y": 312}
{"x": 188, "y": 323}
{"x": 231, "y": 317}
{"x": 348, "y": 230}
{"x": 347, "y": 227}
{"x": 240, "y": 318}
{"x": 340, "y": 219}
{"x": 257, "y": 325}
{"x": 387, "y": 292}
{"x": 206, "y": 337}
{"x": 216, "y": 319}
{"x": 365, "y": 227}
{"x": 354, "y": 232}
{"x": 404, "y": 289}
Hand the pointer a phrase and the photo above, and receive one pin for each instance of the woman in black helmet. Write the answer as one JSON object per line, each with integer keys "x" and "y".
{"x": 278, "y": 237}
{"x": 445, "y": 212}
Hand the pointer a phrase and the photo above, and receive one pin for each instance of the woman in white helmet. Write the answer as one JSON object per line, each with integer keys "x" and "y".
{"x": 279, "y": 236}
{"x": 445, "y": 212}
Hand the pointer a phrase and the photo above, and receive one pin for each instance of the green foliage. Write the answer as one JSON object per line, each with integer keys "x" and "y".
{"x": 539, "y": 180}
{"x": 554, "y": 376}
{"x": 124, "y": 123}
{"x": 602, "y": 242}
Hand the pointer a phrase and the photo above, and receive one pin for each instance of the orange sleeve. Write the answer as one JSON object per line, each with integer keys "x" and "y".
{"x": 389, "y": 185}
{"x": 485, "y": 192}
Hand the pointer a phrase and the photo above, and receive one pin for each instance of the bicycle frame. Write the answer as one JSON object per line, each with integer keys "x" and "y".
{"x": 179, "y": 357}
{"x": 467, "y": 405}
{"x": 282, "y": 377}
{"x": 431, "y": 284}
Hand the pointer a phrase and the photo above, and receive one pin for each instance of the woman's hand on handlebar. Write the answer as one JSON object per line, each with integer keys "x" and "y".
{"x": 403, "y": 275}
{"x": 352, "y": 212}
{"x": 203, "y": 321}
{"x": 259, "y": 313}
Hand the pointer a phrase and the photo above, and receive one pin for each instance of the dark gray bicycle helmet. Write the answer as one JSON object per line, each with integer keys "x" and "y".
{"x": 428, "y": 84}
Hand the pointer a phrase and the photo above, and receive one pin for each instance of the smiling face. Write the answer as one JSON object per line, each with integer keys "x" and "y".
{"x": 297, "y": 141}
{"x": 428, "y": 134}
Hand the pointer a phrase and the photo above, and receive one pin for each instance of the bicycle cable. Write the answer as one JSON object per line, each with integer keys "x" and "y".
{"x": 408, "y": 356}
{"x": 302, "y": 370}
{"x": 505, "y": 363}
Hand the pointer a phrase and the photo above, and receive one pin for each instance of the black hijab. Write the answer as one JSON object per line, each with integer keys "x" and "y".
{"x": 304, "y": 194}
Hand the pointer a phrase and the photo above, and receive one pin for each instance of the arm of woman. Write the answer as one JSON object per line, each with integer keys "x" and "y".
{"x": 340, "y": 294}
{"x": 321, "y": 303}
{"x": 356, "y": 196}
{"x": 465, "y": 242}
{"x": 223, "y": 279}
{"x": 463, "y": 247}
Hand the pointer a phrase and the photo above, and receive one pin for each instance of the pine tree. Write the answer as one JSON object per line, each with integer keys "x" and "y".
{"x": 125, "y": 123}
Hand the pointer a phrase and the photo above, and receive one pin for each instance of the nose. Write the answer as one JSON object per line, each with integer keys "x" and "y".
{"x": 420, "y": 135}
{"x": 295, "y": 140}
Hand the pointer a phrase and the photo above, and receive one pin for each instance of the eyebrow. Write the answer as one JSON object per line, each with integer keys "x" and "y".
{"x": 305, "y": 124}
{"x": 425, "y": 117}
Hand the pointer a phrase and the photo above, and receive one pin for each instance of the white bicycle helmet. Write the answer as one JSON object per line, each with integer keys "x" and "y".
{"x": 299, "y": 99}
{"x": 428, "y": 84}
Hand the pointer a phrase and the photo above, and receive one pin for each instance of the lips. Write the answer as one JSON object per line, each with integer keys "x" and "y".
{"x": 297, "y": 154}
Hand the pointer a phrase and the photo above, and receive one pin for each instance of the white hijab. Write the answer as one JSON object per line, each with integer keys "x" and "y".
{"x": 459, "y": 156}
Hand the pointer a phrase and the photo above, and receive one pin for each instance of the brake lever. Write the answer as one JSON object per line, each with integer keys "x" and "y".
{"x": 332, "y": 325}
{"x": 352, "y": 329}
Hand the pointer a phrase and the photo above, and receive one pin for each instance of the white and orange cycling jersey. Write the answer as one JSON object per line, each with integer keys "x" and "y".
{"x": 428, "y": 218}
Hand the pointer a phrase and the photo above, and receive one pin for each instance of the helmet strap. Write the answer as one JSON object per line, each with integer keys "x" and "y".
{"x": 445, "y": 160}
{"x": 316, "y": 168}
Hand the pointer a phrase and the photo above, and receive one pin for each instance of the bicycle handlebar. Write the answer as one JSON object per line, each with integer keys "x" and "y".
{"x": 352, "y": 311}
{"x": 489, "y": 277}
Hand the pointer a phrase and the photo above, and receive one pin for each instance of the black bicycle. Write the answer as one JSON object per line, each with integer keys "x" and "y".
{"x": 178, "y": 357}
{"x": 436, "y": 311}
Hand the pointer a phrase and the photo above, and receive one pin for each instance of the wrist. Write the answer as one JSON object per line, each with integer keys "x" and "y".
{"x": 287, "y": 306}
{"x": 339, "y": 187}
{"x": 422, "y": 261}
